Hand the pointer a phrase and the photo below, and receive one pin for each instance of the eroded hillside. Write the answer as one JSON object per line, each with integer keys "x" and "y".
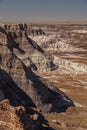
{"x": 43, "y": 68}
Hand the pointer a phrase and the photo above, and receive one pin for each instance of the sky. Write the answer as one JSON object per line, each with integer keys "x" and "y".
{"x": 43, "y": 10}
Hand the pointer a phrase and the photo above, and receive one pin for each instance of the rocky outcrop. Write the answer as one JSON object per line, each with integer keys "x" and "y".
{"x": 14, "y": 117}
{"x": 17, "y": 40}
{"x": 19, "y": 58}
{"x": 23, "y": 27}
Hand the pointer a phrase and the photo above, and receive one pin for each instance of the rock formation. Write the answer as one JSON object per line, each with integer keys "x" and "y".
{"x": 19, "y": 58}
{"x": 24, "y": 48}
{"x": 23, "y": 27}
{"x": 14, "y": 117}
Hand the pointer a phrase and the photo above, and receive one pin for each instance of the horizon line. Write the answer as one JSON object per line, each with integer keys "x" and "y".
{"x": 46, "y": 22}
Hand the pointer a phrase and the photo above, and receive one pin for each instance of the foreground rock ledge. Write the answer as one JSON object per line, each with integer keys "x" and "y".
{"x": 9, "y": 119}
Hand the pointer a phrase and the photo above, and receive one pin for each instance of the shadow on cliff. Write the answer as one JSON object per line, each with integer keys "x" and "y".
{"x": 35, "y": 45}
{"x": 38, "y": 120}
{"x": 13, "y": 92}
{"x": 12, "y": 44}
{"x": 17, "y": 97}
{"x": 53, "y": 100}
{"x": 39, "y": 49}
{"x": 2, "y": 30}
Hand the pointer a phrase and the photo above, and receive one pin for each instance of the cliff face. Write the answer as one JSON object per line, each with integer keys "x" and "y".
{"x": 19, "y": 58}
{"x": 16, "y": 39}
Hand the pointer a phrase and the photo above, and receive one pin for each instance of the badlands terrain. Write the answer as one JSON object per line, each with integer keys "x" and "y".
{"x": 43, "y": 77}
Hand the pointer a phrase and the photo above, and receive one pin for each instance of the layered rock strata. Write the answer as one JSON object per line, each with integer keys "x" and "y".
{"x": 19, "y": 58}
